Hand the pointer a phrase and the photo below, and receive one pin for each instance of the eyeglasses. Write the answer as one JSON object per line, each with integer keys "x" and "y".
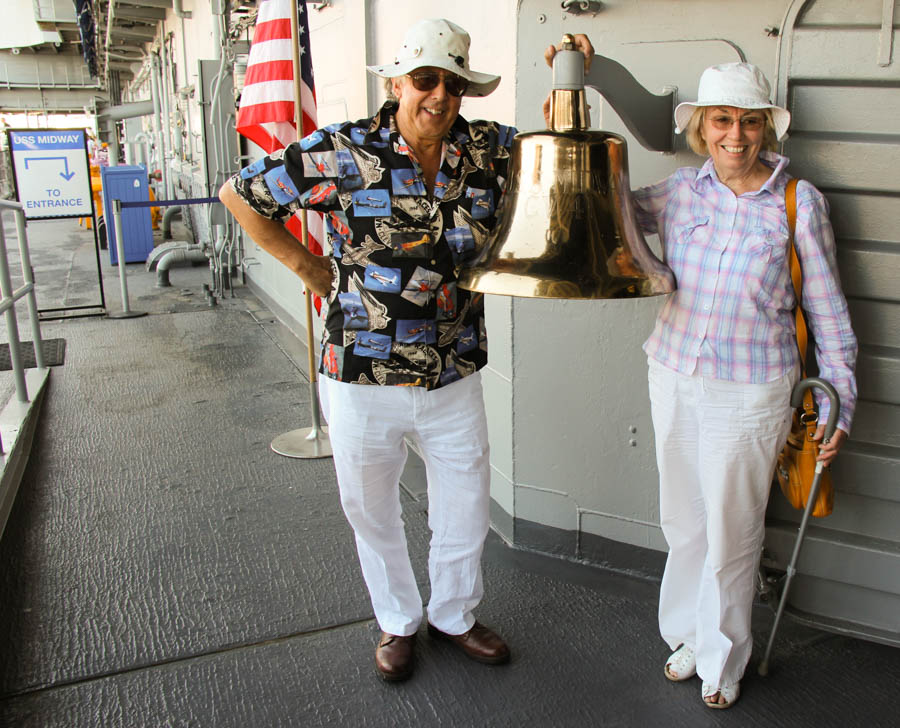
{"x": 723, "y": 122}
{"x": 428, "y": 80}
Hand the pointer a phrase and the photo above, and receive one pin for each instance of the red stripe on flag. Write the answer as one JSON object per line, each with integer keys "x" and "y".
{"x": 270, "y": 71}
{"x": 263, "y": 113}
{"x": 263, "y": 70}
{"x": 279, "y": 28}
{"x": 309, "y": 124}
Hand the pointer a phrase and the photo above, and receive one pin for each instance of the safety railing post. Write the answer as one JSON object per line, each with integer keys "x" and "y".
{"x": 31, "y": 298}
{"x": 12, "y": 326}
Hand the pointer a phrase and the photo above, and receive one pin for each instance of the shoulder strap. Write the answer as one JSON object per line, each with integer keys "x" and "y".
{"x": 790, "y": 199}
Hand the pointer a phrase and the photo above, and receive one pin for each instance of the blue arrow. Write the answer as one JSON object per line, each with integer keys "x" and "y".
{"x": 67, "y": 175}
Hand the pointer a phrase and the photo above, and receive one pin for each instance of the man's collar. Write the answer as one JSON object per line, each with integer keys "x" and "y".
{"x": 386, "y": 118}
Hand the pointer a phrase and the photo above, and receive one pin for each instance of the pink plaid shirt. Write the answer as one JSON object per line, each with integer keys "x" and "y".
{"x": 732, "y": 315}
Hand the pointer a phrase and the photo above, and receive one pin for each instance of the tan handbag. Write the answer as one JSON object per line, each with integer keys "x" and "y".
{"x": 797, "y": 461}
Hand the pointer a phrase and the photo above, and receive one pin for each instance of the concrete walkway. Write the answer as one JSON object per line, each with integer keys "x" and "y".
{"x": 162, "y": 567}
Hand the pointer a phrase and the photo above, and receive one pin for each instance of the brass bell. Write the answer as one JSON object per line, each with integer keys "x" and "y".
{"x": 567, "y": 227}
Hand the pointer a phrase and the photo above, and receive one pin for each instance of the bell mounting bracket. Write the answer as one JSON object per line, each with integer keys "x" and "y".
{"x": 648, "y": 116}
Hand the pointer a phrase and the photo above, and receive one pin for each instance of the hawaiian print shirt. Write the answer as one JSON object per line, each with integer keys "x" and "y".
{"x": 395, "y": 314}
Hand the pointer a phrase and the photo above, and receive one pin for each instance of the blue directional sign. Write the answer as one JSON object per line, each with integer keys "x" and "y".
{"x": 52, "y": 172}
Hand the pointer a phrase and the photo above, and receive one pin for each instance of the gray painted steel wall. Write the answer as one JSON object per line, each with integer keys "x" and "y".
{"x": 578, "y": 451}
{"x": 573, "y": 390}
{"x": 841, "y": 85}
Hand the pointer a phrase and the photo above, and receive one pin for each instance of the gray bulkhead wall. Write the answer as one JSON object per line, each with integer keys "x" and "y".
{"x": 840, "y": 75}
{"x": 580, "y": 455}
{"x": 579, "y": 458}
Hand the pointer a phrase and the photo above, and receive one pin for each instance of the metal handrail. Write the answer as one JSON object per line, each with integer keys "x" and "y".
{"x": 10, "y": 297}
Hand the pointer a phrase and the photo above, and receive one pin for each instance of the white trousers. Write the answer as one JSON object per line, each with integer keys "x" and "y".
{"x": 367, "y": 426}
{"x": 716, "y": 446}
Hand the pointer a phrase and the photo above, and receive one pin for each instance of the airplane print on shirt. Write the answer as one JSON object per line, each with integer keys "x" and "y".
{"x": 395, "y": 316}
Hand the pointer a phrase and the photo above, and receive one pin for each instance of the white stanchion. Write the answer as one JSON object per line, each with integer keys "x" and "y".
{"x": 126, "y": 311}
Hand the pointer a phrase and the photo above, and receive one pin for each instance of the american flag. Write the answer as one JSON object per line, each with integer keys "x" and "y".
{"x": 266, "y": 113}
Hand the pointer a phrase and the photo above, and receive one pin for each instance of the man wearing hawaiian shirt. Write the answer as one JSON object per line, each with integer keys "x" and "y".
{"x": 409, "y": 196}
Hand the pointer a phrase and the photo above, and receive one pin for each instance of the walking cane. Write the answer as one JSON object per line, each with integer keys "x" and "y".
{"x": 830, "y": 427}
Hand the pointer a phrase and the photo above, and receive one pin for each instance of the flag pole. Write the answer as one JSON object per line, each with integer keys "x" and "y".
{"x": 306, "y": 442}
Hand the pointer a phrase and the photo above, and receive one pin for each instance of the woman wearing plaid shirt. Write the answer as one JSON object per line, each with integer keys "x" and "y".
{"x": 723, "y": 360}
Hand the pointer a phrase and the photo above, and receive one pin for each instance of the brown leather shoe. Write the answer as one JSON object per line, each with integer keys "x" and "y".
{"x": 479, "y": 643}
{"x": 394, "y": 656}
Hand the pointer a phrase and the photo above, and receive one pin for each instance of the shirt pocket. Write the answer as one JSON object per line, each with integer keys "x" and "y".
{"x": 686, "y": 242}
{"x": 769, "y": 243}
{"x": 768, "y": 273}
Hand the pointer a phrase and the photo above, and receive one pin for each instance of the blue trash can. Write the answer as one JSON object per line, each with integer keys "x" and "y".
{"x": 129, "y": 184}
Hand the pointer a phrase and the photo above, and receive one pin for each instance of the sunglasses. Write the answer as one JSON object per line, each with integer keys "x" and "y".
{"x": 723, "y": 122}
{"x": 428, "y": 80}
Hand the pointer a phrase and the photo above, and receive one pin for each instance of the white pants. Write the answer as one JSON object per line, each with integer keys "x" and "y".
{"x": 716, "y": 446}
{"x": 366, "y": 426}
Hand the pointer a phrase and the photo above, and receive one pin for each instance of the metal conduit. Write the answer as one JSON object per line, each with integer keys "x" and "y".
{"x": 166, "y": 225}
{"x": 190, "y": 254}
{"x": 220, "y": 35}
{"x": 169, "y": 153}
{"x": 160, "y": 137}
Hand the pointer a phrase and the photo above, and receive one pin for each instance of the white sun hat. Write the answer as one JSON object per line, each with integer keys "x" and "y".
{"x": 741, "y": 85}
{"x": 441, "y": 44}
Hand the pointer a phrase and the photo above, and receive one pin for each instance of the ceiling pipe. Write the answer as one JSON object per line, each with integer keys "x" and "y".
{"x": 127, "y": 111}
{"x": 124, "y": 56}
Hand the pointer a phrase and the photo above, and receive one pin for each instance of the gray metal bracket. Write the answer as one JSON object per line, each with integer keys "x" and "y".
{"x": 646, "y": 115}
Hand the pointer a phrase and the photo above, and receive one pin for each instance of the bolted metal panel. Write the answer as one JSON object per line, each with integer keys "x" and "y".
{"x": 48, "y": 100}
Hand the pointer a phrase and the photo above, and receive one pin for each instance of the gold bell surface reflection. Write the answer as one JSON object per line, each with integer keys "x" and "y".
{"x": 568, "y": 228}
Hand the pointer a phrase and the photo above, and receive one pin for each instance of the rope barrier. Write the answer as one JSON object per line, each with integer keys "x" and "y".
{"x": 170, "y": 203}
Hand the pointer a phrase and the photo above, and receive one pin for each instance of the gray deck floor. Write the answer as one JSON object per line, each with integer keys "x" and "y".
{"x": 162, "y": 567}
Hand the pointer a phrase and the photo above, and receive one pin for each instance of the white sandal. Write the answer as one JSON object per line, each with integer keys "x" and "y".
{"x": 729, "y": 692}
{"x": 682, "y": 664}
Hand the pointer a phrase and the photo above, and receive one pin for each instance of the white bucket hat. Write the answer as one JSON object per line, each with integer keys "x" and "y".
{"x": 441, "y": 44}
{"x": 741, "y": 85}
